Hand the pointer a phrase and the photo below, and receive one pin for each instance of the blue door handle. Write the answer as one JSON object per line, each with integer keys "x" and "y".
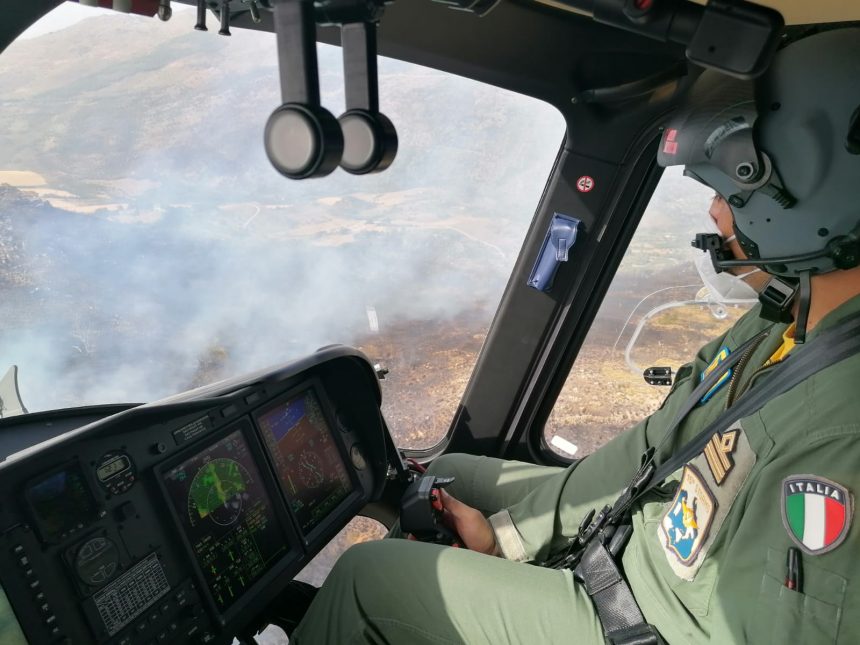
{"x": 559, "y": 239}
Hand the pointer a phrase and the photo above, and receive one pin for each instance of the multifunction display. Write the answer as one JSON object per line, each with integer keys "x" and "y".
{"x": 309, "y": 465}
{"x": 61, "y": 502}
{"x": 227, "y": 516}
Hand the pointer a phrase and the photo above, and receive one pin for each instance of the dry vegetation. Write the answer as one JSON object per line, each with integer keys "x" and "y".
{"x": 430, "y": 364}
{"x": 602, "y": 396}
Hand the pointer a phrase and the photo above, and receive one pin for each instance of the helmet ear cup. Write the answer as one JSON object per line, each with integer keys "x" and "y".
{"x": 369, "y": 141}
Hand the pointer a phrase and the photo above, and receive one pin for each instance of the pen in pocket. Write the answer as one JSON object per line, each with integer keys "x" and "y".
{"x": 793, "y": 576}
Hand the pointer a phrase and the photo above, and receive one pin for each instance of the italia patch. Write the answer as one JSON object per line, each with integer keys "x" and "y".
{"x": 722, "y": 355}
{"x": 686, "y": 523}
{"x": 816, "y": 512}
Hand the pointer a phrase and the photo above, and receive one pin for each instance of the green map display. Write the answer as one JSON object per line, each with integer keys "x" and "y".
{"x": 216, "y": 491}
{"x": 227, "y": 516}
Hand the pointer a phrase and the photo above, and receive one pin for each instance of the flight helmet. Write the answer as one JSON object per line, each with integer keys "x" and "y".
{"x": 784, "y": 151}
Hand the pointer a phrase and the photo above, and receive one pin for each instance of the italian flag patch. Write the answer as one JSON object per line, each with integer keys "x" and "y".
{"x": 816, "y": 512}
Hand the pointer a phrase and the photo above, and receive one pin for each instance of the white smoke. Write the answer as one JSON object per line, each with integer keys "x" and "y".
{"x": 212, "y": 264}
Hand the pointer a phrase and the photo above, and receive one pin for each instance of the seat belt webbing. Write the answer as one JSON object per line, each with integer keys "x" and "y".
{"x": 834, "y": 345}
{"x": 613, "y": 599}
{"x": 619, "y": 613}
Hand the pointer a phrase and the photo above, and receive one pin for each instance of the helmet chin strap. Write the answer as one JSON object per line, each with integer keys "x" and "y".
{"x": 777, "y": 298}
{"x": 805, "y": 300}
{"x": 778, "y": 295}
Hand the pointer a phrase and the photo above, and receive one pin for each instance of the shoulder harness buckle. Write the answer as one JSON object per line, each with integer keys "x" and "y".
{"x": 641, "y": 634}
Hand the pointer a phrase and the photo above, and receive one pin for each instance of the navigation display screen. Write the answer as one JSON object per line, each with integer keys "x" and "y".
{"x": 310, "y": 468}
{"x": 61, "y": 502}
{"x": 227, "y": 516}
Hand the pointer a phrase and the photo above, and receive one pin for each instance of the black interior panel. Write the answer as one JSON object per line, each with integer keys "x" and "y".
{"x": 165, "y": 522}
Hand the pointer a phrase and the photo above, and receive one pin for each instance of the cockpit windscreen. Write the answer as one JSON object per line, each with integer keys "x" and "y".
{"x": 310, "y": 468}
{"x": 227, "y": 516}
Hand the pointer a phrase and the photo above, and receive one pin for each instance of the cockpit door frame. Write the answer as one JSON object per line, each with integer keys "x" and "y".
{"x": 535, "y": 336}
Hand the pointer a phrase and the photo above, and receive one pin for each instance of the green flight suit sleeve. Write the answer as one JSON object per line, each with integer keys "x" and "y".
{"x": 543, "y": 521}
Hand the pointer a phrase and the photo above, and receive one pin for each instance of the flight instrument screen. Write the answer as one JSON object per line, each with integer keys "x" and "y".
{"x": 61, "y": 501}
{"x": 310, "y": 468}
{"x": 227, "y": 516}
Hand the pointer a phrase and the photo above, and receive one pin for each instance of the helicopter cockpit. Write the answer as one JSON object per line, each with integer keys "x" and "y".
{"x": 317, "y": 307}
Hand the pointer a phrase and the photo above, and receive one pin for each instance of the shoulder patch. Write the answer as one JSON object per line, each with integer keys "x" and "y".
{"x": 816, "y": 512}
{"x": 722, "y": 355}
{"x": 686, "y": 523}
{"x": 718, "y": 452}
{"x": 712, "y": 480}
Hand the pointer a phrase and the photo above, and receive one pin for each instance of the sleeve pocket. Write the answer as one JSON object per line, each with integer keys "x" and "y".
{"x": 787, "y": 616}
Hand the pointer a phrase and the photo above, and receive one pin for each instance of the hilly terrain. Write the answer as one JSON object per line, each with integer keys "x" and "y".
{"x": 156, "y": 230}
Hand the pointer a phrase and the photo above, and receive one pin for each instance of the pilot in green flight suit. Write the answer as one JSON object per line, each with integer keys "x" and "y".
{"x": 707, "y": 558}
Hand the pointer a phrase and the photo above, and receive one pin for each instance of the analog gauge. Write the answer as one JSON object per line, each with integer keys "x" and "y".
{"x": 357, "y": 457}
{"x": 311, "y": 469}
{"x": 96, "y": 561}
{"x": 218, "y": 491}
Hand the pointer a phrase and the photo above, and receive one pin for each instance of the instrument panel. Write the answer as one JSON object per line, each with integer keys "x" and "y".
{"x": 311, "y": 470}
{"x": 176, "y": 521}
{"x": 227, "y": 516}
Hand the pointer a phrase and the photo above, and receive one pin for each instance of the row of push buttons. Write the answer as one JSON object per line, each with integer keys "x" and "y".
{"x": 232, "y": 409}
{"x": 169, "y": 608}
{"x": 35, "y": 585}
{"x": 252, "y": 399}
{"x": 128, "y": 596}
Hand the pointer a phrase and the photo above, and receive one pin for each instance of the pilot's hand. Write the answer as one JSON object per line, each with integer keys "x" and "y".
{"x": 473, "y": 528}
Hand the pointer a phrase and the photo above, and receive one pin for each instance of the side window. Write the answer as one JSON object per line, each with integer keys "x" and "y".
{"x": 657, "y": 312}
{"x": 360, "y": 529}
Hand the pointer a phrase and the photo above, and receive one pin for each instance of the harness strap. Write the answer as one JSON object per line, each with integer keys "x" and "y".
{"x": 836, "y": 344}
{"x": 619, "y": 613}
{"x": 832, "y": 346}
{"x": 622, "y": 620}
{"x": 641, "y": 481}
{"x": 592, "y": 523}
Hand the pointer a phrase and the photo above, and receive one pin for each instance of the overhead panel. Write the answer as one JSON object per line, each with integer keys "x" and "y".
{"x": 795, "y": 12}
